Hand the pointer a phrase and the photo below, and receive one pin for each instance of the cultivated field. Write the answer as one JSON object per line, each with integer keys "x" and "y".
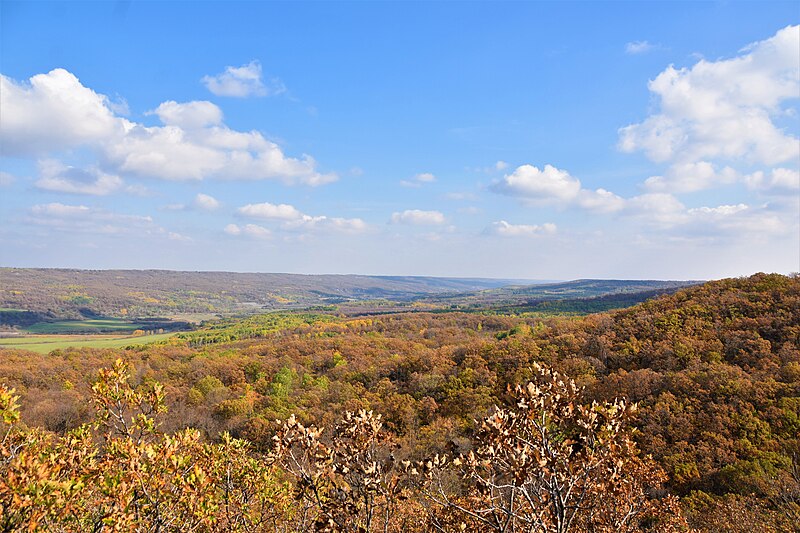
{"x": 48, "y": 343}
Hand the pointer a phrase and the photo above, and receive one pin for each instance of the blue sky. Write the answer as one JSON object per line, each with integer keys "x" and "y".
{"x": 527, "y": 140}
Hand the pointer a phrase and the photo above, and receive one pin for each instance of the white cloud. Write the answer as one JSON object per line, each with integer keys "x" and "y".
{"x": 171, "y": 235}
{"x": 293, "y": 219}
{"x": 501, "y": 165}
{"x": 661, "y": 209}
{"x": 691, "y": 177}
{"x": 418, "y": 217}
{"x": 638, "y": 47}
{"x": 55, "y": 112}
{"x": 270, "y": 211}
{"x": 189, "y": 115}
{"x": 244, "y": 81}
{"x": 665, "y": 212}
{"x": 256, "y": 231}
{"x": 527, "y": 181}
{"x": 215, "y": 151}
{"x": 343, "y": 225}
{"x": 57, "y": 177}
{"x": 233, "y": 229}
{"x": 249, "y": 230}
{"x": 57, "y": 209}
{"x": 724, "y": 109}
{"x": 600, "y": 201}
{"x": 206, "y": 202}
{"x": 92, "y": 220}
{"x": 505, "y": 229}
{"x": 419, "y": 180}
{"x": 736, "y": 219}
{"x": 553, "y": 185}
{"x": 779, "y": 180}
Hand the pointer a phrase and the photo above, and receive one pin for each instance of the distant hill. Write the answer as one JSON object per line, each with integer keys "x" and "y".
{"x": 33, "y": 295}
{"x": 579, "y": 296}
{"x": 66, "y": 293}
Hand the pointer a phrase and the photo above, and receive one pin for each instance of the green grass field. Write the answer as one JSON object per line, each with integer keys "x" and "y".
{"x": 83, "y": 326}
{"x": 48, "y": 343}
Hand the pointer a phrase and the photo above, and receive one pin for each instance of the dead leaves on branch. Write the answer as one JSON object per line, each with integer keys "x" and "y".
{"x": 548, "y": 463}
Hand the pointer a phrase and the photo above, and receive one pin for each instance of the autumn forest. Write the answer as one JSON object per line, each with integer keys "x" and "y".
{"x": 679, "y": 413}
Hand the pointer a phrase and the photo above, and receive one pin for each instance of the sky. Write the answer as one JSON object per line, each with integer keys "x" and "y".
{"x": 536, "y": 140}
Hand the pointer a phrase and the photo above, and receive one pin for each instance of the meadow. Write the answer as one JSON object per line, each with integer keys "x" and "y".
{"x": 47, "y": 343}
{"x": 100, "y": 325}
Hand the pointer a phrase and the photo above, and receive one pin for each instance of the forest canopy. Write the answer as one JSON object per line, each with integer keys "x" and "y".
{"x": 713, "y": 370}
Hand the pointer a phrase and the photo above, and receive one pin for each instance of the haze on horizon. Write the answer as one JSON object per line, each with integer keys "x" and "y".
{"x": 498, "y": 140}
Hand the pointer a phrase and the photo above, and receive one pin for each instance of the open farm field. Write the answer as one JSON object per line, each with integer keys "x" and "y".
{"x": 85, "y": 326}
{"x": 47, "y": 343}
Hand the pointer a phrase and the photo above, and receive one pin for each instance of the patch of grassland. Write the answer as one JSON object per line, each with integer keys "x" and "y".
{"x": 48, "y": 343}
{"x": 83, "y": 326}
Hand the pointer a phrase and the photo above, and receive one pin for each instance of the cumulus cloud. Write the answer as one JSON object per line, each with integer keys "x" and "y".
{"x": 419, "y": 180}
{"x": 418, "y": 217}
{"x": 599, "y": 201}
{"x": 189, "y": 115}
{"x": 270, "y": 211}
{"x": 638, "y": 47}
{"x": 724, "y": 109}
{"x": 293, "y": 219}
{"x": 250, "y": 230}
{"x": 528, "y": 181}
{"x": 778, "y": 180}
{"x": 662, "y": 209}
{"x": 242, "y": 82}
{"x": 322, "y": 222}
{"x": 55, "y": 112}
{"x": 57, "y": 177}
{"x": 665, "y": 212}
{"x": 553, "y": 185}
{"x": 691, "y": 177}
{"x": 194, "y": 145}
{"x": 505, "y": 229}
{"x": 206, "y": 202}
{"x": 738, "y": 219}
